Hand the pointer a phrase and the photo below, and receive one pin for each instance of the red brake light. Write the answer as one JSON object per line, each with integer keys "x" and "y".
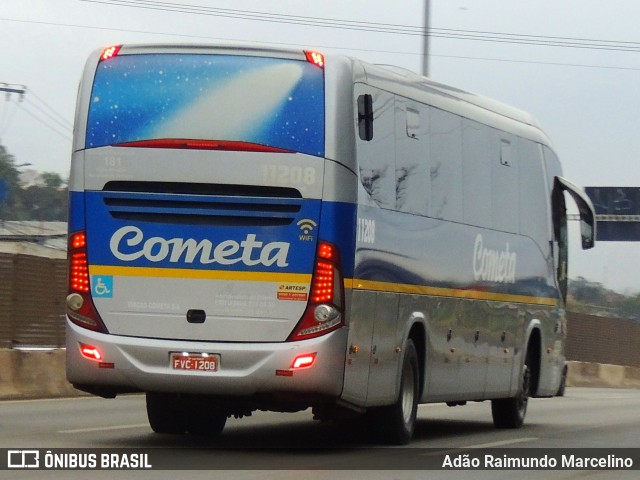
{"x": 80, "y": 307}
{"x": 78, "y": 265}
{"x": 78, "y": 240}
{"x": 323, "y": 283}
{"x": 324, "y": 311}
{"x": 110, "y": 52}
{"x": 195, "y": 144}
{"x": 315, "y": 57}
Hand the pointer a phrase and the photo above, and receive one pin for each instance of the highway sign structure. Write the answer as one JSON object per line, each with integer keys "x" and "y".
{"x": 617, "y": 213}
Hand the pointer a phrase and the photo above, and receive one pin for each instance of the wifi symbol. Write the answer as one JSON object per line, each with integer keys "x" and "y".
{"x": 306, "y": 225}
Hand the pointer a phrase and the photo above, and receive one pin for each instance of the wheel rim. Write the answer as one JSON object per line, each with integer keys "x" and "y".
{"x": 523, "y": 399}
{"x": 408, "y": 393}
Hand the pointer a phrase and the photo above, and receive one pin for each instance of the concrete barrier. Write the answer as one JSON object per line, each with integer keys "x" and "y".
{"x": 40, "y": 374}
{"x": 584, "y": 374}
{"x": 33, "y": 374}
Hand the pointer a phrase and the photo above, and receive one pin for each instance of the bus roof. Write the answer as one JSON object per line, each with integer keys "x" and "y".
{"x": 455, "y": 100}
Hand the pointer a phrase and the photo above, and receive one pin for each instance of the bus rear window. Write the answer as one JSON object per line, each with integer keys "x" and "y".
{"x": 265, "y": 101}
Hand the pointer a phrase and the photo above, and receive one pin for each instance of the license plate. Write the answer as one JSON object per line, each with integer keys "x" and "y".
{"x": 195, "y": 362}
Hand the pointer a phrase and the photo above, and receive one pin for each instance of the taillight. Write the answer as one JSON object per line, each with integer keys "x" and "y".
{"x": 324, "y": 312}
{"x": 78, "y": 265}
{"x": 110, "y": 52}
{"x": 80, "y": 307}
{"x": 315, "y": 57}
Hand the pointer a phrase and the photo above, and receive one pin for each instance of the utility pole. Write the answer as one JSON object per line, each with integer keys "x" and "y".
{"x": 425, "y": 40}
{"x": 9, "y": 89}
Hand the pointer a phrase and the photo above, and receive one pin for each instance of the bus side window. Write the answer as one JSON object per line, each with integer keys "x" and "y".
{"x": 376, "y": 156}
{"x": 413, "y": 182}
{"x": 365, "y": 117}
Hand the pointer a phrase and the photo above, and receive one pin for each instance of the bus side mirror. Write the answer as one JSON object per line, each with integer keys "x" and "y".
{"x": 365, "y": 117}
{"x": 585, "y": 208}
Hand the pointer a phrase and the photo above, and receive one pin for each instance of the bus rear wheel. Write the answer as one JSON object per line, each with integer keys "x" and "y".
{"x": 395, "y": 424}
{"x": 510, "y": 412}
{"x": 175, "y": 415}
{"x": 165, "y": 413}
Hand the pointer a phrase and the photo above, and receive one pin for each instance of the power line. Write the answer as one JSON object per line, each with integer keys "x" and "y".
{"x": 331, "y": 47}
{"x": 59, "y": 124}
{"x": 48, "y": 110}
{"x": 533, "y": 62}
{"x": 470, "y": 35}
{"x": 64, "y": 135}
{"x": 62, "y": 127}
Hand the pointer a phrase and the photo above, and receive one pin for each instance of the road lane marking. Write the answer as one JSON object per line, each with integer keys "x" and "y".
{"x": 102, "y": 429}
{"x": 500, "y": 443}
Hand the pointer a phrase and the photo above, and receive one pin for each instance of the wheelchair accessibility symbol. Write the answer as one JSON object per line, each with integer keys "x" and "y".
{"x": 102, "y": 286}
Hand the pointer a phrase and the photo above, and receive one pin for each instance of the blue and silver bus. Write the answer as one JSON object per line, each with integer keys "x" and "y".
{"x": 273, "y": 229}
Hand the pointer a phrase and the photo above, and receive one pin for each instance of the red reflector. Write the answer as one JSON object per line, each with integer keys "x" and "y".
{"x": 315, "y": 57}
{"x": 304, "y": 361}
{"x": 110, "y": 52}
{"x": 90, "y": 352}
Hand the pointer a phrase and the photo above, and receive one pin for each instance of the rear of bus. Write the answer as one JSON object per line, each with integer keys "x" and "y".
{"x": 203, "y": 258}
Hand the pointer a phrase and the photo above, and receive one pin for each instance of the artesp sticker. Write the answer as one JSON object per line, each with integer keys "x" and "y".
{"x": 293, "y": 291}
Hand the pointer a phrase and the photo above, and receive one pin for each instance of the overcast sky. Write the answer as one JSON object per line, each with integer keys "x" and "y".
{"x": 587, "y": 99}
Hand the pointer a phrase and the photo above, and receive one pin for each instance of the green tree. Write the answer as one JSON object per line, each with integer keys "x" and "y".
{"x": 8, "y": 181}
{"x": 48, "y": 201}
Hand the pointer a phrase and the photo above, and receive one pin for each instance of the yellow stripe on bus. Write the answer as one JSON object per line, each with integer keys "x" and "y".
{"x": 354, "y": 284}
{"x": 199, "y": 274}
{"x": 357, "y": 284}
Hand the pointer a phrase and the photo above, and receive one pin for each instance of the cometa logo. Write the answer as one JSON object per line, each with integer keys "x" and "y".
{"x": 493, "y": 265}
{"x": 129, "y": 244}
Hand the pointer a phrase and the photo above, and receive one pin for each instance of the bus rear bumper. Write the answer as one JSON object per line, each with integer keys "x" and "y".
{"x": 130, "y": 364}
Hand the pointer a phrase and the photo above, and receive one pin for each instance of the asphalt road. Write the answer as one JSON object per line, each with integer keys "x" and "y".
{"x": 280, "y": 445}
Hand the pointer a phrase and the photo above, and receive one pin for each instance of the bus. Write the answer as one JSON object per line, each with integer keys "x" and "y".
{"x": 280, "y": 230}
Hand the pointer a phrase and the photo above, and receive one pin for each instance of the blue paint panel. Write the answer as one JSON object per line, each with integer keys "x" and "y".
{"x": 337, "y": 225}
{"x": 76, "y": 211}
{"x": 236, "y": 236}
{"x": 267, "y": 101}
{"x": 415, "y": 250}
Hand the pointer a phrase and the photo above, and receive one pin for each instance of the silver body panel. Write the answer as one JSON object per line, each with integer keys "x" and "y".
{"x": 411, "y": 258}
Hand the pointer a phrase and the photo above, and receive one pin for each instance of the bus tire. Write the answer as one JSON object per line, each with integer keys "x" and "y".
{"x": 165, "y": 413}
{"x": 203, "y": 422}
{"x": 563, "y": 382}
{"x": 394, "y": 424}
{"x": 510, "y": 412}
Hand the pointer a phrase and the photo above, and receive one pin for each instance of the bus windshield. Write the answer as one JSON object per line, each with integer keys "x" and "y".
{"x": 243, "y": 100}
